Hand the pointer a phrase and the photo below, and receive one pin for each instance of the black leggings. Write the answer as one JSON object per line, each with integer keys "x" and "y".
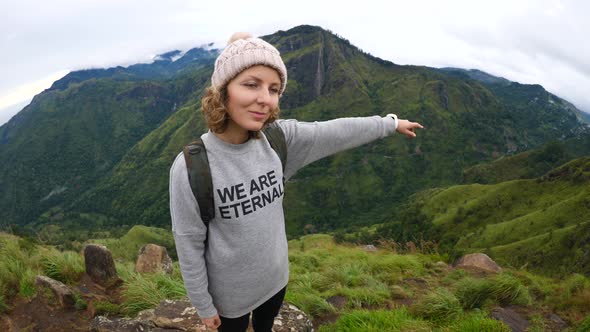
{"x": 263, "y": 317}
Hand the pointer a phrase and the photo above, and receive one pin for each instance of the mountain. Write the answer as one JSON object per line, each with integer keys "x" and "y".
{"x": 95, "y": 149}
{"x": 541, "y": 223}
{"x": 75, "y": 132}
{"x": 529, "y": 164}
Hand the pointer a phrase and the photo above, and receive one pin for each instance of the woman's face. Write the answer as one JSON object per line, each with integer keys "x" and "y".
{"x": 251, "y": 96}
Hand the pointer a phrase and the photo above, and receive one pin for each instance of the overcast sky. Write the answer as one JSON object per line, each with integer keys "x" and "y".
{"x": 528, "y": 41}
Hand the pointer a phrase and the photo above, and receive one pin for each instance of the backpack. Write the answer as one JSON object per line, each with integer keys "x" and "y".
{"x": 199, "y": 173}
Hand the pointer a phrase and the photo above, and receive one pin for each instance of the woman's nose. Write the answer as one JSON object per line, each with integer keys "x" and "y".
{"x": 263, "y": 96}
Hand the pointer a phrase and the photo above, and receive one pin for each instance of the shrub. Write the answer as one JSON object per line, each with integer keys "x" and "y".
{"x": 506, "y": 289}
{"x": 438, "y": 306}
{"x": 472, "y": 293}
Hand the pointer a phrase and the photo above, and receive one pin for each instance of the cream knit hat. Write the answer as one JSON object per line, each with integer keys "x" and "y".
{"x": 242, "y": 52}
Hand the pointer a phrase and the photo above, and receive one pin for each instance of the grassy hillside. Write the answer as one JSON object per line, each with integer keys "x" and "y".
{"x": 529, "y": 164}
{"x": 341, "y": 287}
{"x": 541, "y": 223}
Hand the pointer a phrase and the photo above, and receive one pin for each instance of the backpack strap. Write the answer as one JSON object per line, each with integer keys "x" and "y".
{"x": 275, "y": 136}
{"x": 199, "y": 176}
{"x": 199, "y": 172}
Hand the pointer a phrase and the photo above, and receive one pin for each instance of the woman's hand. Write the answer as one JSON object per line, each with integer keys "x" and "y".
{"x": 407, "y": 127}
{"x": 212, "y": 322}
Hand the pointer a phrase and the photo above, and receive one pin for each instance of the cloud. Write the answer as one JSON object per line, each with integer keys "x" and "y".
{"x": 528, "y": 41}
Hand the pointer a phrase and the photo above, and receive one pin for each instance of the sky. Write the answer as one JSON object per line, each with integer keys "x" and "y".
{"x": 527, "y": 41}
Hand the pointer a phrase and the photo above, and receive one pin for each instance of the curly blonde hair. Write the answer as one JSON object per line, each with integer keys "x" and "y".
{"x": 214, "y": 109}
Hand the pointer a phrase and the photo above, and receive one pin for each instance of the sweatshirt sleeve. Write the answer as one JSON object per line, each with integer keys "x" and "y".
{"x": 310, "y": 141}
{"x": 189, "y": 235}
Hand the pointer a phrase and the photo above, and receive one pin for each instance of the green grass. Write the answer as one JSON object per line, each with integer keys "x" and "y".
{"x": 478, "y": 322}
{"x": 66, "y": 267}
{"x": 507, "y": 289}
{"x": 145, "y": 291}
{"x": 584, "y": 325}
{"x": 377, "y": 321}
{"x": 438, "y": 306}
{"x": 473, "y": 293}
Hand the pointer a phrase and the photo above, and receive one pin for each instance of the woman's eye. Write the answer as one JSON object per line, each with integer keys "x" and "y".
{"x": 274, "y": 90}
{"x": 252, "y": 85}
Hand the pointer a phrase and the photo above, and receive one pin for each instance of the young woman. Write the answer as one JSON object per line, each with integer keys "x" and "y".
{"x": 238, "y": 264}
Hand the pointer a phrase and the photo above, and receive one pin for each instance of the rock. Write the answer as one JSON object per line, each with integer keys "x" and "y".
{"x": 370, "y": 247}
{"x": 179, "y": 315}
{"x": 337, "y": 301}
{"x": 103, "y": 324}
{"x": 557, "y": 322}
{"x": 478, "y": 261}
{"x": 173, "y": 314}
{"x": 100, "y": 265}
{"x": 512, "y": 318}
{"x": 153, "y": 258}
{"x": 63, "y": 293}
{"x": 291, "y": 319}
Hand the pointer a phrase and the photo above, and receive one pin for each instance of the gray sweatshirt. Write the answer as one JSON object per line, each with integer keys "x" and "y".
{"x": 245, "y": 260}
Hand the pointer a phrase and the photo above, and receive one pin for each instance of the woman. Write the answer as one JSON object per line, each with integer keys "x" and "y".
{"x": 239, "y": 264}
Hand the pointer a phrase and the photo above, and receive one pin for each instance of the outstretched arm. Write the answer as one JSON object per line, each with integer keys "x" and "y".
{"x": 310, "y": 141}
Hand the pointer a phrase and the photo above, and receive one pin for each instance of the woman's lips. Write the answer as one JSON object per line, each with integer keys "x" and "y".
{"x": 258, "y": 115}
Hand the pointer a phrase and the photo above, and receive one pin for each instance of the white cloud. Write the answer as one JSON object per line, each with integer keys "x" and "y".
{"x": 25, "y": 92}
{"x": 528, "y": 41}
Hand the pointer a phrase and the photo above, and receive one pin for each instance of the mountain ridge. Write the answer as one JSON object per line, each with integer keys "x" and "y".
{"x": 466, "y": 123}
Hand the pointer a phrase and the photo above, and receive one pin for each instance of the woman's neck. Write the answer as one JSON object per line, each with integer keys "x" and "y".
{"x": 234, "y": 135}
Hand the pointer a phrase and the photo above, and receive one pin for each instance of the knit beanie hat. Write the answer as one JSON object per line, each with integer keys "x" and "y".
{"x": 242, "y": 52}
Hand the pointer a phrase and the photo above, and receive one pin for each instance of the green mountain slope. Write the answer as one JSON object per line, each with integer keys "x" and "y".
{"x": 466, "y": 123}
{"x": 541, "y": 222}
{"x": 529, "y": 164}
{"x": 74, "y": 133}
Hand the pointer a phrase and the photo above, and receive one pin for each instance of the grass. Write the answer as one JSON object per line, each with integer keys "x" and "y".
{"x": 320, "y": 270}
{"x": 584, "y": 325}
{"x": 473, "y": 293}
{"x": 438, "y": 306}
{"x": 377, "y": 321}
{"x": 478, "y": 322}
{"x": 146, "y": 291}
{"x": 66, "y": 267}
